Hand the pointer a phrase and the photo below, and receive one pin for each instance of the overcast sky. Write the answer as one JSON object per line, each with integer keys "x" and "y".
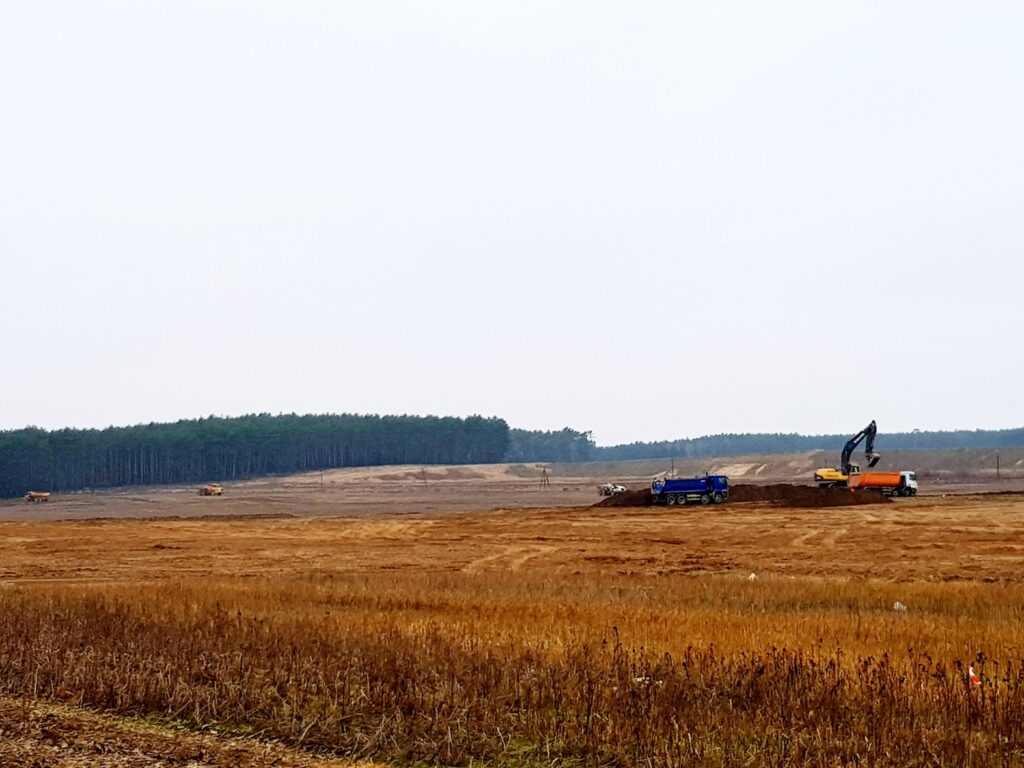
{"x": 650, "y": 220}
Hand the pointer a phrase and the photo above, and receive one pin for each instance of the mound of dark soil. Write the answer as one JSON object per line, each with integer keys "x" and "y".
{"x": 641, "y": 498}
{"x": 804, "y": 495}
{"x": 782, "y": 494}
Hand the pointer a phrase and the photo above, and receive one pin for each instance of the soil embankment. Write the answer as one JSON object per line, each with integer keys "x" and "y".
{"x": 781, "y": 494}
{"x": 641, "y": 498}
{"x": 805, "y": 495}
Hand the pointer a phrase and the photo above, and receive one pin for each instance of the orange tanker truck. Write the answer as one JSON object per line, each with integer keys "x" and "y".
{"x": 890, "y": 483}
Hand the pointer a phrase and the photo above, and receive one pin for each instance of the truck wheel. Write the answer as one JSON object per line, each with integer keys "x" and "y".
{"x": 671, "y": 499}
{"x": 705, "y": 499}
{"x": 718, "y": 498}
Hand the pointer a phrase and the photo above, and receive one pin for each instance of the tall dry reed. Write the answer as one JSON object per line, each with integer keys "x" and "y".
{"x": 441, "y": 673}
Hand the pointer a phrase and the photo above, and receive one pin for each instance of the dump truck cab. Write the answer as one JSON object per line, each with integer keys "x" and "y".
{"x": 909, "y": 484}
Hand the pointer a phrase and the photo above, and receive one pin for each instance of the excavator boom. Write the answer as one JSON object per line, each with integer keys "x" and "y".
{"x": 866, "y": 434}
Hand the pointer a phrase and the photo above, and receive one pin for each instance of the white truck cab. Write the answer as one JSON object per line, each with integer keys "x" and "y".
{"x": 908, "y": 484}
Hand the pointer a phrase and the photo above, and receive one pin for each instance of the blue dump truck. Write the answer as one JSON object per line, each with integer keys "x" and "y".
{"x": 676, "y": 490}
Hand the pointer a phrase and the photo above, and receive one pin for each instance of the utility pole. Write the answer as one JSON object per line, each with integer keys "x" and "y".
{"x": 998, "y": 477}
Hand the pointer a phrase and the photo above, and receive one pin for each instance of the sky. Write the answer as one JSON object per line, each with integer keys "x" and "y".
{"x": 650, "y": 220}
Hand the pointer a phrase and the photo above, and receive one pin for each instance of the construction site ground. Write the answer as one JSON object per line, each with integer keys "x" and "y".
{"x": 464, "y": 520}
{"x": 417, "y": 490}
{"x": 979, "y": 536}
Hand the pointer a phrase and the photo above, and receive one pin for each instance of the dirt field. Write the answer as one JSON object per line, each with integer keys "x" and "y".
{"x": 490, "y": 555}
{"x": 356, "y": 492}
{"x": 958, "y": 537}
{"x": 416, "y": 490}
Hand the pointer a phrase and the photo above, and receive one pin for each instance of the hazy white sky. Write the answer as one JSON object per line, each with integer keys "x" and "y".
{"x": 652, "y": 220}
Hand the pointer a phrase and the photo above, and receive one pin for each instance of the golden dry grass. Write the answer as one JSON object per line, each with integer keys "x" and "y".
{"x": 628, "y": 637}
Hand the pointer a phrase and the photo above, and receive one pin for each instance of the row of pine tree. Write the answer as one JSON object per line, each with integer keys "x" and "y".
{"x": 222, "y": 449}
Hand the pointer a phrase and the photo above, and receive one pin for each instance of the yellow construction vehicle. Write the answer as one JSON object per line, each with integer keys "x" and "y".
{"x": 839, "y": 477}
{"x": 829, "y": 477}
{"x": 211, "y": 490}
{"x": 34, "y": 496}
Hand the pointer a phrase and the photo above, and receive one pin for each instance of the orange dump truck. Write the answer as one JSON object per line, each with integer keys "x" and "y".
{"x": 889, "y": 483}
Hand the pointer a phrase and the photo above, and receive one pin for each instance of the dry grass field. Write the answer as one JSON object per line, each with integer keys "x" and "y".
{"x": 495, "y": 621}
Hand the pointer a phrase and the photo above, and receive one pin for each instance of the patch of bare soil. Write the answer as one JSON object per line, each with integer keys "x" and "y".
{"x": 40, "y": 735}
{"x": 641, "y": 498}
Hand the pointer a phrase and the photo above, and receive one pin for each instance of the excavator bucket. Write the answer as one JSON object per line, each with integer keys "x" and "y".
{"x": 873, "y": 459}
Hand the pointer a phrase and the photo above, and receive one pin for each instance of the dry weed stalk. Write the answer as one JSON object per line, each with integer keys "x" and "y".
{"x": 462, "y": 668}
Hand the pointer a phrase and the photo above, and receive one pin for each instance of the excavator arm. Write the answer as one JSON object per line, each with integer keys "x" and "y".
{"x": 868, "y": 434}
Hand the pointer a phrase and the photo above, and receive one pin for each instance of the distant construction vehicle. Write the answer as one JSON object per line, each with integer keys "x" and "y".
{"x": 35, "y": 496}
{"x": 827, "y": 477}
{"x": 610, "y": 489}
{"x": 710, "y": 489}
{"x": 211, "y": 490}
{"x": 902, "y": 483}
{"x": 849, "y": 475}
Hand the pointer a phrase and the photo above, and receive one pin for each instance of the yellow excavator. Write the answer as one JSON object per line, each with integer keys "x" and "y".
{"x": 839, "y": 477}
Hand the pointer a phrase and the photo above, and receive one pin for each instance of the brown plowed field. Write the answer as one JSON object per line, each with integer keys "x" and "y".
{"x": 958, "y": 537}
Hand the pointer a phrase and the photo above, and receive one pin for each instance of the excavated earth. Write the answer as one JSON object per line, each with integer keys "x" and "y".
{"x": 781, "y": 494}
{"x": 805, "y": 495}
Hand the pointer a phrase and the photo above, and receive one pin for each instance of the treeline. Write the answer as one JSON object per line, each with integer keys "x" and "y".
{"x": 740, "y": 444}
{"x": 563, "y": 445}
{"x": 568, "y": 445}
{"x": 219, "y": 449}
{"x": 224, "y": 449}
